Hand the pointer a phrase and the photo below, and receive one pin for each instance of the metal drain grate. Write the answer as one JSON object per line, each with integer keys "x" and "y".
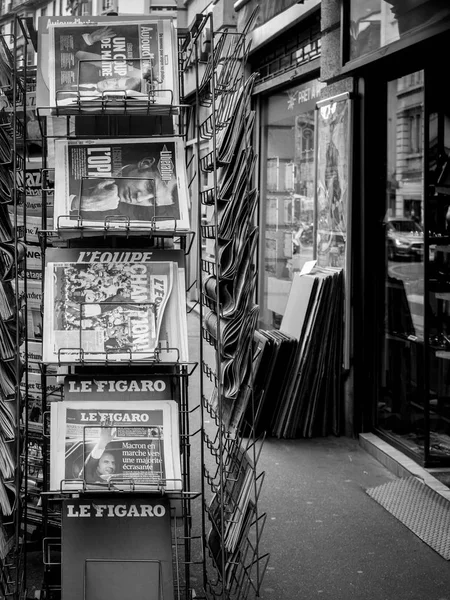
{"x": 418, "y": 507}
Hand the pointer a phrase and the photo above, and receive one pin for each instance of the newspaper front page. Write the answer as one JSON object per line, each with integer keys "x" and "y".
{"x": 104, "y": 311}
{"x": 111, "y": 444}
{"x": 103, "y": 63}
{"x": 121, "y": 183}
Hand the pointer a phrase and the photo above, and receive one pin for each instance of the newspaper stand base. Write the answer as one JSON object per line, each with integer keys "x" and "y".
{"x": 110, "y": 536}
{"x": 111, "y": 546}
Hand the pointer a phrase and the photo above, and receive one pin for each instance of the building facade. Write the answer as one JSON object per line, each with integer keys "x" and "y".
{"x": 362, "y": 76}
{"x": 388, "y": 53}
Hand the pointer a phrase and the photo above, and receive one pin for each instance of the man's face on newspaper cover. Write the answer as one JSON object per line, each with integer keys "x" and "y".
{"x": 106, "y": 464}
{"x": 137, "y": 185}
{"x": 143, "y": 191}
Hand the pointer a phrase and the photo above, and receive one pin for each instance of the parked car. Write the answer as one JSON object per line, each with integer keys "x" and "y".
{"x": 404, "y": 238}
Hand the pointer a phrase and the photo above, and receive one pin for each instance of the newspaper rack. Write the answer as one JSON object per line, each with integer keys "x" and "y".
{"x": 226, "y": 389}
{"x": 13, "y": 511}
{"x": 161, "y": 356}
{"x": 121, "y": 103}
{"x": 239, "y": 573}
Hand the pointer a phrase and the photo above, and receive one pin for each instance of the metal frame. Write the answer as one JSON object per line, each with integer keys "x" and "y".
{"x": 238, "y": 573}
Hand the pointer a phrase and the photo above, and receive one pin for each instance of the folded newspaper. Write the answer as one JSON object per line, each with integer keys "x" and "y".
{"x": 104, "y": 443}
{"x": 106, "y": 63}
{"x": 130, "y": 184}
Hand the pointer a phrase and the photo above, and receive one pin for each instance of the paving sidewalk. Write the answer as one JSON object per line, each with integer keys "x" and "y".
{"x": 328, "y": 539}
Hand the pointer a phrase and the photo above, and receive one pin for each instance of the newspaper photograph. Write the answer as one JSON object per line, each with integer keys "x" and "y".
{"x": 115, "y": 445}
{"x": 172, "y": 337}
{"x": 121, "y": 183}
{"x": 118, "y": 60}
{"x": 104, "y": 311}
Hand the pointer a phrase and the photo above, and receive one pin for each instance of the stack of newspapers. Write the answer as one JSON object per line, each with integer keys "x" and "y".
{"x": 238, "y": 510}
{"x": 297, "y": 377}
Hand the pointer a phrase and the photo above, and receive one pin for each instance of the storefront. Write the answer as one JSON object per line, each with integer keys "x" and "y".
{"x": 393, "y": 51}
{"x": 385, "y": 58}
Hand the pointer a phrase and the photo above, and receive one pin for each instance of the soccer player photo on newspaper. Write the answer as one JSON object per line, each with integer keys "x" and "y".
{"x": 104, "y": 310}
{"x": 121, "y": 183}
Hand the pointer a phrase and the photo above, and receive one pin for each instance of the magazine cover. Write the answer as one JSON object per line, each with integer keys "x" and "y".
{"x": 29, "y": 182}
{"x": 104, "y": 311}
{"x": 173, "y": 337}
{"x": 112, "y": 444}
{"x": 121, "y": 183}
{"x": 102, "y": 62}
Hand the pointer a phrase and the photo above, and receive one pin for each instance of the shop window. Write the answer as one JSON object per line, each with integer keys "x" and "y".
{"x": 401, "y": 410}
{"x": 414, "y": 403}
{"x": 287, "y": 194}
{"x": 373, "y": 24}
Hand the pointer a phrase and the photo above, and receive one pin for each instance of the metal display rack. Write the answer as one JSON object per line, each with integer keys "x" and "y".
{"x": 13, "y": 377}
{"x": 110, "y": 121}
{"x": 233, "y": 564}
{"x": 216, "y": 525}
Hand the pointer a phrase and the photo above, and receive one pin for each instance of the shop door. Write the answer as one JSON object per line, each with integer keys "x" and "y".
{"x": 413, "y": 404}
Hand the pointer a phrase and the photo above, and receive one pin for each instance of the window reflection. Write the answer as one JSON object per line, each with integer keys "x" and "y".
{"x": 414, "y": 405}
{"x": 401, "y": 405}
{"x": 287, "y": 198}
{"x": 438, "y": 316}
{"x": 376, "y": 23}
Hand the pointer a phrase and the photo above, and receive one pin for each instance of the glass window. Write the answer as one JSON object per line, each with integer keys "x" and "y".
{"x": 376, "y": 23}
{"x": 438, "y": 305}
{"x": 401, "y": 405}
{"x": 287, "y": 194}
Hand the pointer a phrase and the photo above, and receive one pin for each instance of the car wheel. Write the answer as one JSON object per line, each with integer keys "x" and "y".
{"x": 391, "y": 253}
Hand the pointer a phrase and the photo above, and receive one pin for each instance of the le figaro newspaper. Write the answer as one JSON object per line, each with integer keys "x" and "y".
{"x": 104, "y": 441}
{"x": 121, "y": 183}
{"x": 91, "y": 60}
{"x": 106, "y": 305}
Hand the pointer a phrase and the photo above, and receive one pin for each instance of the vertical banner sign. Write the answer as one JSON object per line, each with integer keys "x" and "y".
{"x": 117, "y": 548}
{"x": 333, "y": 193}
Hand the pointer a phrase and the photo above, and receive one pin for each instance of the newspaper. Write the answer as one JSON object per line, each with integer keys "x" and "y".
{"x": 121, "y": 184}
{"x": 104, "y": 63}
{"x": 34, "y": 304}
{"x": 104, "y": 311}
{"x": 235, "y": 276}
{"x": 109, "y": 443}
{"x": 173, "y": 338}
